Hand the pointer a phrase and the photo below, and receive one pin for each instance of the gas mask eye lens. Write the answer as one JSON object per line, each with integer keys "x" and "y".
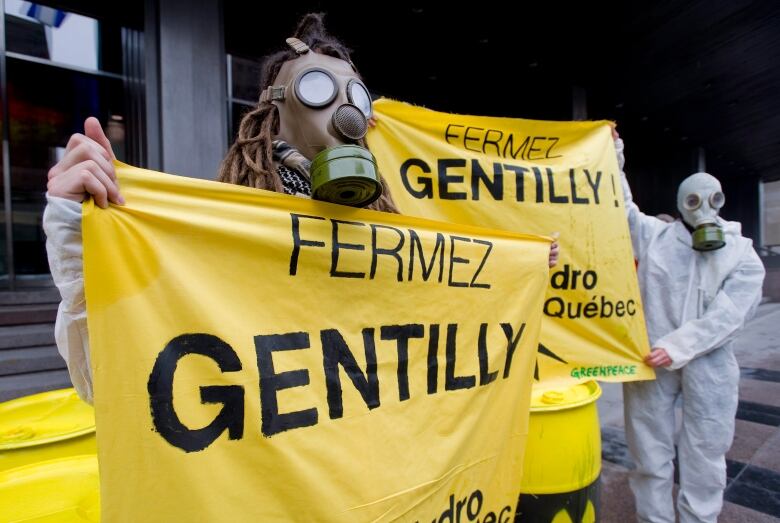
{"x": 692, "y": 202}
{"x": 316, "y": 88}
{"x": 358, "y": 95}
{"x": 717, "y": 199}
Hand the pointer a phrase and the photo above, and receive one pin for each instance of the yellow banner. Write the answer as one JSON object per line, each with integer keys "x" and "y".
{"x": 262, "y": 357}
{"x": 539, "y": 177}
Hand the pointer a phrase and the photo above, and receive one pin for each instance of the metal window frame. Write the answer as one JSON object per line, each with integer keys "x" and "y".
{"x": 231, "y": 100}
{"x": 61, "y": 65}
{"x": 7, "y": 211}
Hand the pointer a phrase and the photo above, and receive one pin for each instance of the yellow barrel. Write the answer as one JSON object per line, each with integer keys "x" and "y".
{"x": 62, "y": 490}
{"x": 45, "y": 426}
{"x": 562, "y": 460}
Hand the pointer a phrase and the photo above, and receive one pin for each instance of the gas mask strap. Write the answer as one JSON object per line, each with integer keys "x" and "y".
{"x": 272, "y": 93}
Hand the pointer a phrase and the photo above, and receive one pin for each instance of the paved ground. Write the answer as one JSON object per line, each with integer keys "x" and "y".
{"x": 753, "y": 492}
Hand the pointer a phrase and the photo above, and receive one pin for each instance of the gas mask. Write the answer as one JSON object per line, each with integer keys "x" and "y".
{"x": 699, "y": 199}
{"x": 323, "y": 111}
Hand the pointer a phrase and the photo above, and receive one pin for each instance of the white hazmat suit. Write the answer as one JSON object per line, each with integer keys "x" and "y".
{"x": 62, "y": 224}
{"x": 695, "y": 302}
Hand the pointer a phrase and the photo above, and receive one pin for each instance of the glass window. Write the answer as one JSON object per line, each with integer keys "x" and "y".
{"x": 62, "y": 37}
{"x": 42, "y": 118}
{"x": 245, "y": 76}
{"x": 243, "y": 90}
{"x": 61, "y": 68}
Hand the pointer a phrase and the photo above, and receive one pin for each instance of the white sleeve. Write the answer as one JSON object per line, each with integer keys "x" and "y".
{"x": 642, "y": 227}
{"x": 733, "y": 305}
{"x": 62, "y": 224}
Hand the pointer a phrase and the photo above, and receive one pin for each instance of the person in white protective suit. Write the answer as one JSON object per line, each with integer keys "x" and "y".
{"x": 700, "y": 281}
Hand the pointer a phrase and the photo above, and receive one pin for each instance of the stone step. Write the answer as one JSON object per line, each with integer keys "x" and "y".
{"x": 18, "y": 336}
{"x": 29, "y": 297}
{"x": 30, "y": 359}
{"x": 31, "y": 383}
{"x": 28, "y": 314}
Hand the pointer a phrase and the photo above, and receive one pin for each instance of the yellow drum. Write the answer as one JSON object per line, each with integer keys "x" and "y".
{"x": 45, "y": 426}
{"x": 563, "y": 456}
{"x": 61, "y": 490}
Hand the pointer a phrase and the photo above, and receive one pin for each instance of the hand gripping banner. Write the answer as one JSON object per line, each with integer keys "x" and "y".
{"x": 538, "y": 177}
{"x": 262, "y": 357}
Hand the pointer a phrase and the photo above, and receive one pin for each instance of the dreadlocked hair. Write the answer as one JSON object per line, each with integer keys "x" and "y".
{"x": 249, "y": 160}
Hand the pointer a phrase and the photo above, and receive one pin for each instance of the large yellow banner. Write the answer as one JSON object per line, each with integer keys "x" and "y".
{"x": 540, "y": 177}
{"x": 262, "y": 357}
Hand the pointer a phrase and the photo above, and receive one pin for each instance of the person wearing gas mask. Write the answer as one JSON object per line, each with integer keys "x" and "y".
{"x": 306, "y": 134}
{"x": 700, "y": 281}
{"x": 305, "y": 137}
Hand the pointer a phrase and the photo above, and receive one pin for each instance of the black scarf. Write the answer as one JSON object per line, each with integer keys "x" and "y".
{"x": 293, "y": 168}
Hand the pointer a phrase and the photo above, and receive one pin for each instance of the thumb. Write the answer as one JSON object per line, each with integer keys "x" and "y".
{"x": 94, "y": 130}
{"x": 613, "y": 127}
{"x": 556, "y": 235}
